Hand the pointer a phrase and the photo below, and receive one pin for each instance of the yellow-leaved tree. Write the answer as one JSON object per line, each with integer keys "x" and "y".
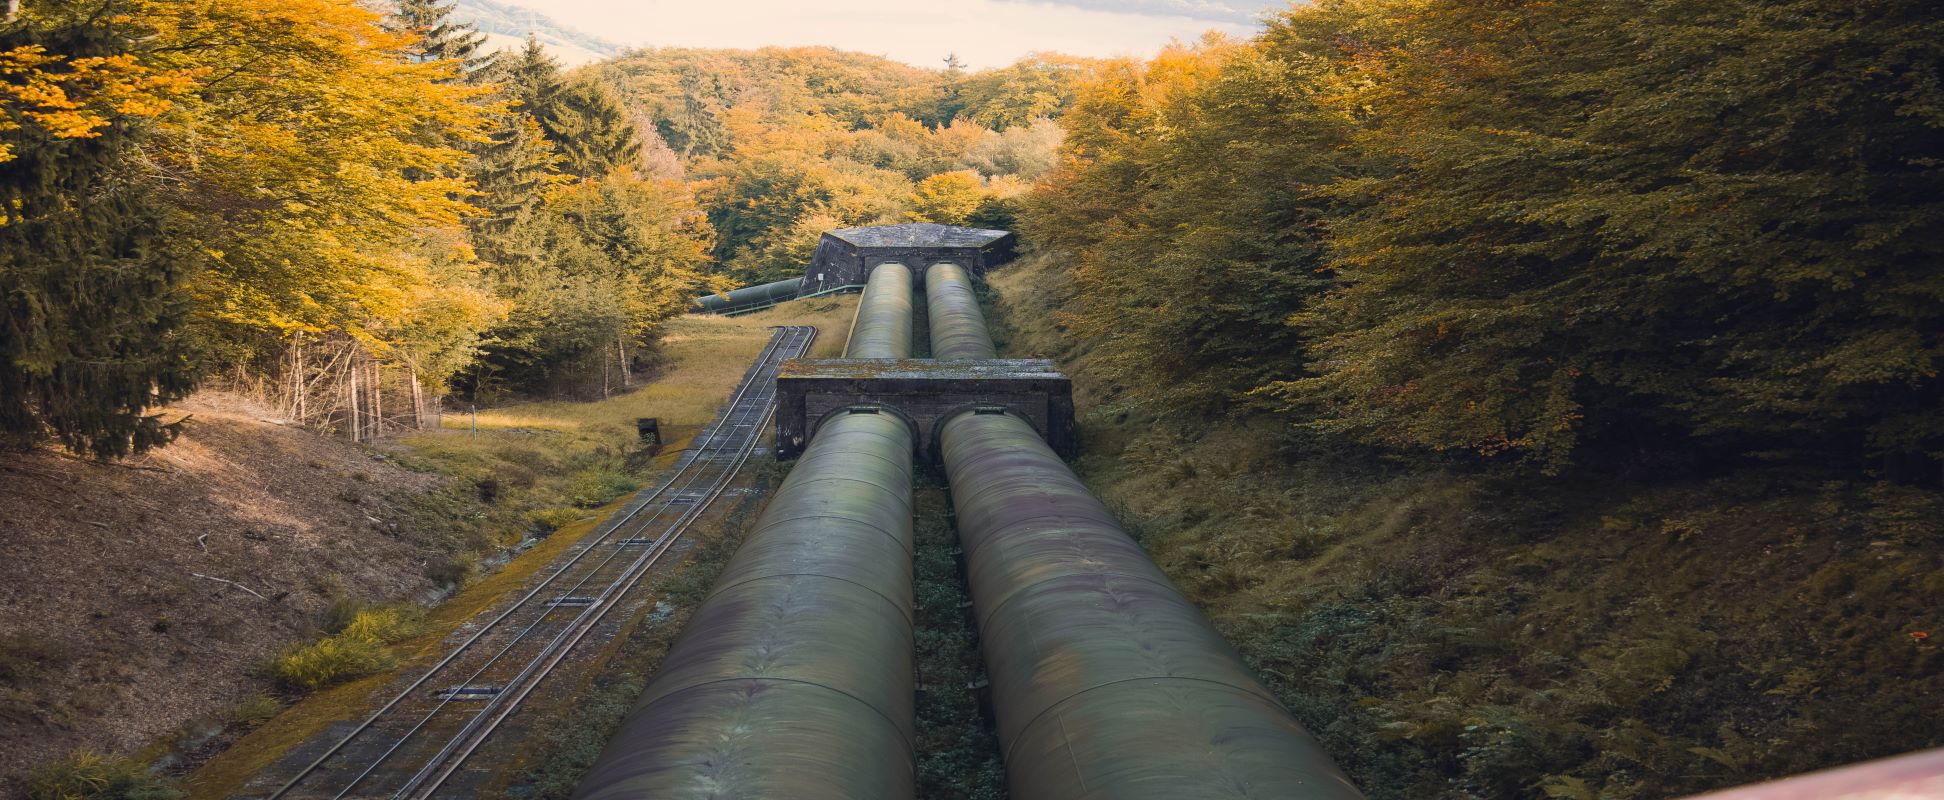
{"x": 192, "y": 183}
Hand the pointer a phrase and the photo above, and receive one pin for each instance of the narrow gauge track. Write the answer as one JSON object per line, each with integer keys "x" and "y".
{"x": 423, "y": 734}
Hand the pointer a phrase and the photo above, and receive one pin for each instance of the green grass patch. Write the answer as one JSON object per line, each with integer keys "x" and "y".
{"x": 958, "y": 752}
{"x": 359, "y": 650}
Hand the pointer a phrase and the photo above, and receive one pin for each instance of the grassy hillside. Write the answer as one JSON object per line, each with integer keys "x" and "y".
{"x": 1450, "y": 631}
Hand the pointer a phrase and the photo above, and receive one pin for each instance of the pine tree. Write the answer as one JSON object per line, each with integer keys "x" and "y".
{"x": 91, "y": 326}
{"x": 531, "y": 78}
{"x": 511, "y": 172}
{"x": 696, "y": 130}
{"x": 437, "y": 37}
{"x": 592, "y": 130}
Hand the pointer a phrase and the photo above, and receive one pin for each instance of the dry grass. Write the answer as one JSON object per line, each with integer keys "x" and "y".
{"x": 705, "y": 357}
{"x": 536, "y": 449}
{"x": 226, "y": 774}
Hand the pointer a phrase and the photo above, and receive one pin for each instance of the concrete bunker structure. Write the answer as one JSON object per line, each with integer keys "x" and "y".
{"x": 962, "y": 376}
{"x": 845, "y": 257}
{"x": 924, "y": 393}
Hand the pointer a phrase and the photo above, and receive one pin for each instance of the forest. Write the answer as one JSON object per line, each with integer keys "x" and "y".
{"x": 1543, "y": 395}
{"x": 323, "y": 205}
{"x": 1528, "y": 231}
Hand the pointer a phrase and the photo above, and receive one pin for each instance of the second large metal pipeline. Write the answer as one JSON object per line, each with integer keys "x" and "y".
{"x": 1106, "y": 682}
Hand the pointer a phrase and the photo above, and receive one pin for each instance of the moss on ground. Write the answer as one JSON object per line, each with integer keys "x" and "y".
{"x": 958, "y": 752}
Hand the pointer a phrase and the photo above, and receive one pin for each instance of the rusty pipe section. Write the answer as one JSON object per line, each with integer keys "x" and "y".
{"x": 1106, "y": 682}
{"x": 794, "y": 677}
{"x": 882, "y": 327}
{"x": 958, "y": 326}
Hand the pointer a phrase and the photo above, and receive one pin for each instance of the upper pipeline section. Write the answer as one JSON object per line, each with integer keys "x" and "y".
{"x": 921, "y": 391}
{"x": 749, "y": 298}
{"x": 882, "y": 327}
{"x": 847, "y": 256}
{"x": 958, "y": 327}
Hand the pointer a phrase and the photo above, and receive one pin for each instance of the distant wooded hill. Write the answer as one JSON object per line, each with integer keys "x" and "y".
{"x": 783, "y": 144}
{"x": 506, "y": 25}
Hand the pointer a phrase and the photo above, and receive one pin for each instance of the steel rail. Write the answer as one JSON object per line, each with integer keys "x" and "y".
{"x": 664, "y": 541}
{"x": 454, "y": 755}
{"x": 696, "y": 460}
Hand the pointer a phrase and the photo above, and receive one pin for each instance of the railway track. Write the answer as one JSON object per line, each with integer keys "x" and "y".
{"x": 426, "y": 731}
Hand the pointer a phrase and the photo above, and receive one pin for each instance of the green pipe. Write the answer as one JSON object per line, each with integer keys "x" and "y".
{"x": 1106, "y": 682}
{"x": 958, "y": 327}
{"x": 794, "y": 677}
{"x": 749, "y": 297}
{"x": 882, "y": 327}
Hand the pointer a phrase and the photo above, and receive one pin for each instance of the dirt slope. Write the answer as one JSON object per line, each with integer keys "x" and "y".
{"x": 109, "y": 640}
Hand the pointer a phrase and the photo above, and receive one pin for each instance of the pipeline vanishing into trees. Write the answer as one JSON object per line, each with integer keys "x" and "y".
{"x": 1106, "y": 681}
{"x": 750, "y": 297}
{"x": 958, "y": 327}
{"x": 882, "y": 328}
{"x": 794, "y": 677}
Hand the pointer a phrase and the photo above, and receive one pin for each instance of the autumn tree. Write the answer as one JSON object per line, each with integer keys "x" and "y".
{"x": 1618, "y": 220}
{"x": 949, "y": 198}
{"x": 294, "y": 165}
{"x": 1525, "y": 229}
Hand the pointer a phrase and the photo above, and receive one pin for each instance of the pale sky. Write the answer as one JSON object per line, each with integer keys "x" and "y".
{"x": 984, "y": 33}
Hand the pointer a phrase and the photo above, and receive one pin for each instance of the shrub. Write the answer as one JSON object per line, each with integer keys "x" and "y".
{"x": 384, "y": 625}
{"x": 254, "y": 711}
{"x": 89, "y": 776}
{"x": 340, "y": 613}
{"x": 330, "y": 662}
{"x": 553, "y": 519}
{"x": 356, "y": 652}
{"x": 595, "y": 486}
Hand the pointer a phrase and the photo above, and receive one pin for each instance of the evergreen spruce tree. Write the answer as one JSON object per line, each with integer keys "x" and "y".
{"x": 440, "y": 38}
{"x": 511, "y": 172}
{"x": 594, "y": 133}
{"x": 531, "y": 78}
{"x": 696, "y": 131}
{"x": 91, "y": 324}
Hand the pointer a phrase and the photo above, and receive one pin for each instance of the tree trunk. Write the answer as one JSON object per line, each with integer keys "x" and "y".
{"x": 418, "y": 403}
{"x": 377, "y": 400}
{"x": 621, "y": 350}
{"x": 351, "y": 391}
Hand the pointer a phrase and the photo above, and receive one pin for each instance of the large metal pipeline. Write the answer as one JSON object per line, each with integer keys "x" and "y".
{"x": 749, "y": 297}
{"x": 882, "y": 328}
{"x": 958, "y": 326}
{"x": 1106, "y": 682}
{"x": 794, "y": 678}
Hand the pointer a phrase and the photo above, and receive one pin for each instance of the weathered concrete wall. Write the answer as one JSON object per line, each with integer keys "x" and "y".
{"x": 924, "y": 393}
{"x": 846, "y": 257}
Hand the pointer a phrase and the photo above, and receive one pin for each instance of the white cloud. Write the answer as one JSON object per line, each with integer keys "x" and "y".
{"x": 984, "y": 33}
